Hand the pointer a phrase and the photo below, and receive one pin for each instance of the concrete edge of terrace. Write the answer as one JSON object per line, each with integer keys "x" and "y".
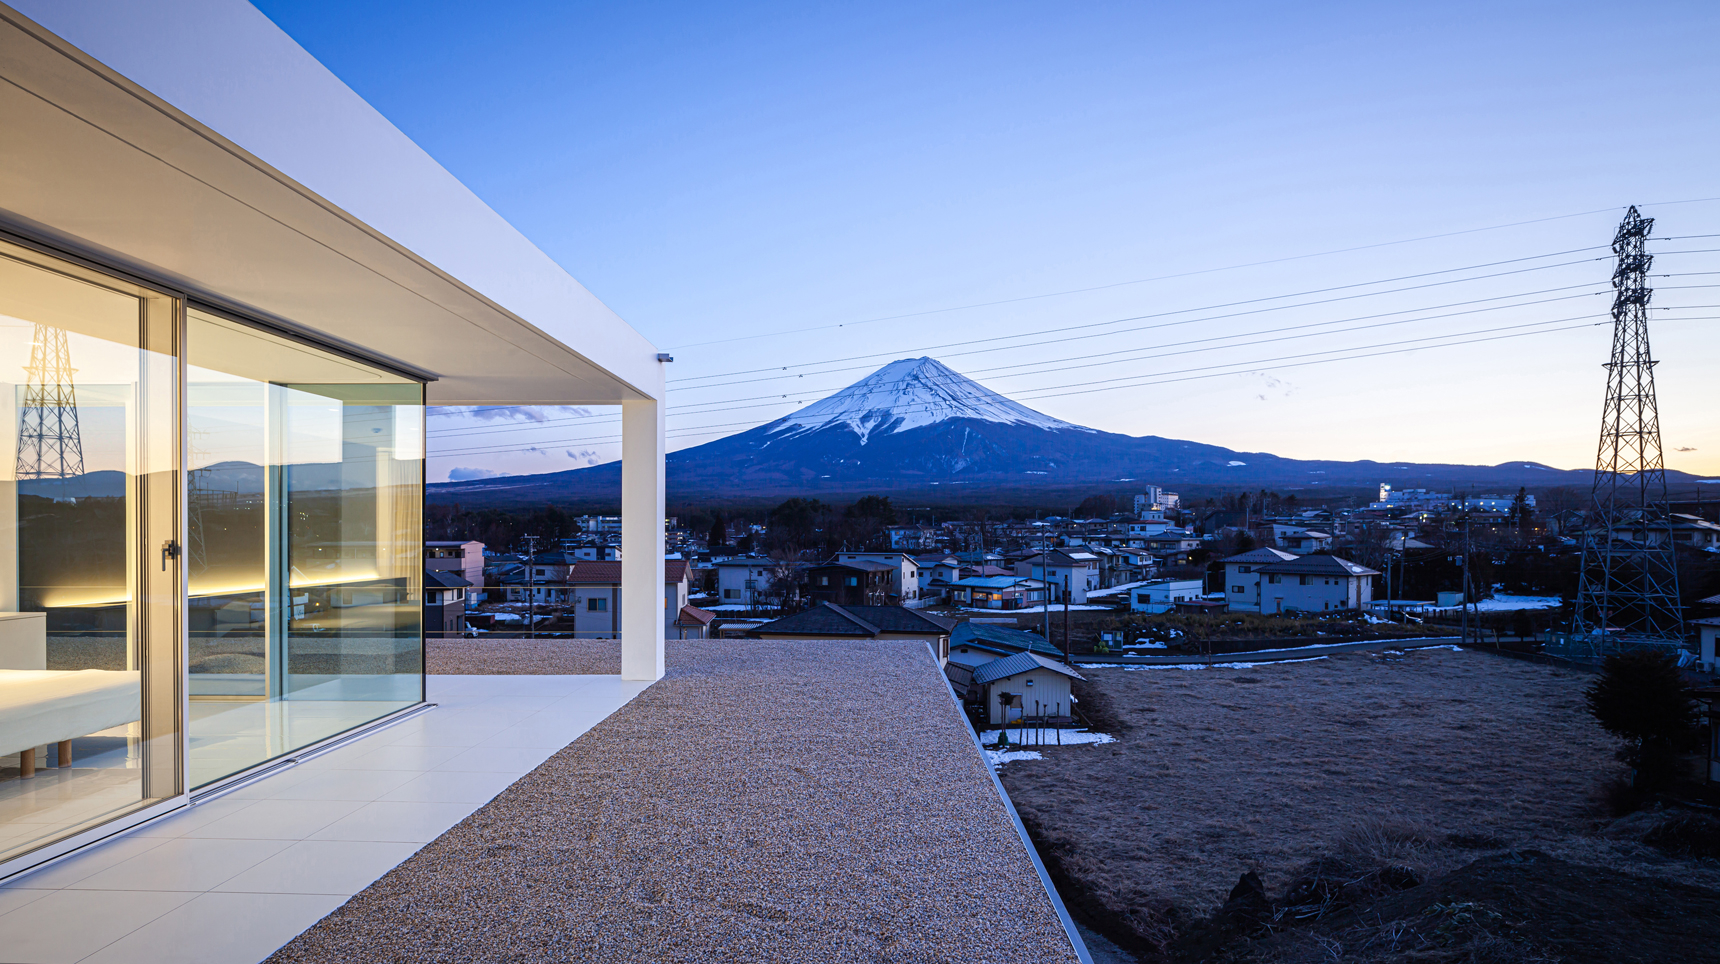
{"x": 1075, "y": 941}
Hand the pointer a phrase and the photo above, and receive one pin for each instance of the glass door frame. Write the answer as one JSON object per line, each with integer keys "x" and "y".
{"x": 163, "y": 603}
{"x": 155, "y": 623}
{"x": 277, "y": 537}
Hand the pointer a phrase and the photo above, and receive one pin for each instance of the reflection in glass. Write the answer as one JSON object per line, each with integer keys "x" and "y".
{"x": 88, "y": 676}
{"x": 305, "y": 544}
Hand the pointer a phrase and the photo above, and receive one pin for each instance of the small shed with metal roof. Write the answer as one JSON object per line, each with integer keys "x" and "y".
{"x": 1024, "y": 686}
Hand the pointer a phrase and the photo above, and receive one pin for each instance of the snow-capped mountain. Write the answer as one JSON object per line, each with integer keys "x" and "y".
{"x": 917, "y": 426}
{"x": 909, "y": 394}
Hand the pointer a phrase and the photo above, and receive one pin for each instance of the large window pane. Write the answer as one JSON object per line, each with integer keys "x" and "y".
{"x": 89, "y": 671}
{"x": 305, "y": 544}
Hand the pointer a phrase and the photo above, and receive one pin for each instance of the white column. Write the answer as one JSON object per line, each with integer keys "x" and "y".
{"x": 642, "y": 451}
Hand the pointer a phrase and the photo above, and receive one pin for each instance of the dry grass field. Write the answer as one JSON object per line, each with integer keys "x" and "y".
{"x": 1431, "y": 758}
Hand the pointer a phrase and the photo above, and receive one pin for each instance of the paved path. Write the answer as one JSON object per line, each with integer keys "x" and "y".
{"x": 766, "y": 801}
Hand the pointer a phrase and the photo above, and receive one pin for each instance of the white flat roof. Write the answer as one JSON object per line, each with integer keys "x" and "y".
{"x": 193, "y": 141}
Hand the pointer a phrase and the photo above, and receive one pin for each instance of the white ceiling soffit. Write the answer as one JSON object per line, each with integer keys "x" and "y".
{"x": 194, "y": 140}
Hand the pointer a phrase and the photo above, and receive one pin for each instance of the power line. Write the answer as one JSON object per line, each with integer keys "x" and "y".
{"x": 1186, "y": 274}
{"x": 1253, "y": 301}
{"x": 1061, "y": 363}
{"x": 1108, "y": 334}
{"x": 728, "y": 404}
{"x": 1188, "y": 374}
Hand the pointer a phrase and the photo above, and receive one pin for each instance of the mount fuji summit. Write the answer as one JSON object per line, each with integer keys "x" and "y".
{"x": 916, "y": 426}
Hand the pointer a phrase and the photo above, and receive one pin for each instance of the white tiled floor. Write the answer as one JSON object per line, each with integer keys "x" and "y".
{"x": 231, "y": 880}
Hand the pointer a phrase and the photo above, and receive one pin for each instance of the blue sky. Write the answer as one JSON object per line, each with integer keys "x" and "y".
{"x": 736, "y": 180}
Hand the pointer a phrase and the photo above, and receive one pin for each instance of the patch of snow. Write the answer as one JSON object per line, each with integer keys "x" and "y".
{"x": 1144, "y": 644}
{"x": 998, "y": 758}
{"x": 1124, "y": 588}
{"x": 1069, "y": 737}
{"x": 1503, "y": 603}
{"x": 1235, "y": 462}
{"x": 727, "y": 608}
{"x": 1055, "y": 607}
{"x": 1275, "y": 662}
{"x": 910, "y": 393}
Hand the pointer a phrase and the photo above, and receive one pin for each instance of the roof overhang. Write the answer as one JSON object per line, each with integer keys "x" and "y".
{"x": 229, "y": 164}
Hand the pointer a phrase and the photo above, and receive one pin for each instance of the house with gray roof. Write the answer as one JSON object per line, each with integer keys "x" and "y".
{"x": 827, "y": 620}
{"x": 1242, "y": 581}
{"x": 972, "y": 644}
{"x": 1315, "y": 583}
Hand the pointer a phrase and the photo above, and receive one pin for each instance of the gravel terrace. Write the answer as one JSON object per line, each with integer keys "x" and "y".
{"x": 489, "y": 655}
{"x": 765, "y": 801}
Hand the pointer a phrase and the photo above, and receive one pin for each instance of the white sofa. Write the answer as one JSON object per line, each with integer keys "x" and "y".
{"x": 39, "y": 706}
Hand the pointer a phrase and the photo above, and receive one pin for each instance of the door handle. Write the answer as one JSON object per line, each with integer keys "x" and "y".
{"x": 169, "y": 550}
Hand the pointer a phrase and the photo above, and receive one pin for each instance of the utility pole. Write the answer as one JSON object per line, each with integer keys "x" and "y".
{"x": 1066, "y": 579}
{"x": 531, "y": 586}
{"x": 1468, "y": 582}
{"x": 1628, "y": 590}
{"x": 1044, "y": 577}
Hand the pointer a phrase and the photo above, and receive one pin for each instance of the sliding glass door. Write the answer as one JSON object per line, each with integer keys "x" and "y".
{"x": 211, "y": 546}
{"x": 89, "y": 549}
{"x": 305, "y": 544}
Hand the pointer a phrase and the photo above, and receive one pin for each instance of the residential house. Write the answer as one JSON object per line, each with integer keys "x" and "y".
{"x": 997, "y": 592}
{"x": 904, "y": 580}
{"x": 1024, "y": 686}
{"x": 694, "y": 623}
{"x": 830, "y": 621}
{"x": 1171, "y": 547}
{"x": 937, "y": 573}
{"x": 1294, "y": 538}
{"x": 862, "y": 582}
{"x": 1145, "y": 528}
{"x": 1121, "y": 564}
{"x": 974, "y": 643}
{"x": 464, "y": 559}
{"x": 912, "y": 538}
{"x": 675, "y": 594}
{"x": 1163, "y": 595}
{"x": 1069, "y": 574}
{"x": 745, "y": 580}
{"x": 1314, "y": 584}
{"x": 1242, "y": 581}
{"x": 444, "y": 603}
{"x": 590, "y": 550}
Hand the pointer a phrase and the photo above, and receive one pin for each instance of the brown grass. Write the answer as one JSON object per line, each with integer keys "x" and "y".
{"x": 1421, "y": 759}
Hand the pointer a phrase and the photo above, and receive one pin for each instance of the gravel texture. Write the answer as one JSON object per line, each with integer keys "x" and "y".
{"x": 521, "y": 656}
{"x": 766, "y": 801}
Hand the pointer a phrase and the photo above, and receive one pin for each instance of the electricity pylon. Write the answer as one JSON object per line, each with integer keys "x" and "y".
{"x": 49, "y": 445}
{"x": 1628, "y": 592}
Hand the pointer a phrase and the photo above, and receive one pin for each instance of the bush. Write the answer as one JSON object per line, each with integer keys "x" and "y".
{"x": 1642, "y": 699}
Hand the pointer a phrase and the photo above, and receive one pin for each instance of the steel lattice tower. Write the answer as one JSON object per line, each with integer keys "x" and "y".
{"x": 49, "y": 445}
{"x": 1628, "y": 591}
